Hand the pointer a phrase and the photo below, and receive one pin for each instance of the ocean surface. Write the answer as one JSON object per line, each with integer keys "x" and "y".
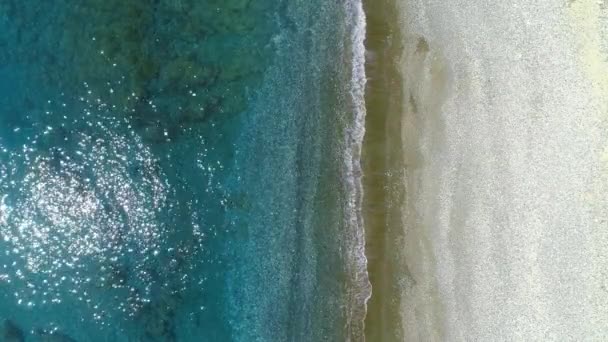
{"x": 181, "y": 170}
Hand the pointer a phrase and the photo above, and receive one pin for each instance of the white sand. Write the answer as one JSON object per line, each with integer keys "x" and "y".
{"x": 507, "y": 132}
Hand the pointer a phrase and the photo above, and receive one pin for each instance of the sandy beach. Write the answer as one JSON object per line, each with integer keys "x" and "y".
{"x": 502, "y": 232}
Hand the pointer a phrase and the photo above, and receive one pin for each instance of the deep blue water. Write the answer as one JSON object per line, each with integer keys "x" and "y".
{"x": 175, "y": 170}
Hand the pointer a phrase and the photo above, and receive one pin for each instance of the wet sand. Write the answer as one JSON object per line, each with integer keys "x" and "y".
{"x": 383, "y": 169}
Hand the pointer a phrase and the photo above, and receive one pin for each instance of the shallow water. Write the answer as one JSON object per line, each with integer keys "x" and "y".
{"x": 178, "y": 170}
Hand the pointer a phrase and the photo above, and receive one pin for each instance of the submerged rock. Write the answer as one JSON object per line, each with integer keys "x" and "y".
{"x": 43, "y": 335}
{"x": 188, "y": 59}
{"x": 185, "y": 60}
{"x": 11, "y": 332}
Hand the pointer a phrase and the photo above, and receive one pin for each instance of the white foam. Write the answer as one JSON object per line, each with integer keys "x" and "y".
{"x": 354, "y": 141}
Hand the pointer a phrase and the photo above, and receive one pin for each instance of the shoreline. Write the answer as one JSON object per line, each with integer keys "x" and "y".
{"x": 354, "y": 137}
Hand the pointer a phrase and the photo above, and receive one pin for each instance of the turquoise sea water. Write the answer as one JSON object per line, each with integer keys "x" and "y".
{"x": 180, "y": 170}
